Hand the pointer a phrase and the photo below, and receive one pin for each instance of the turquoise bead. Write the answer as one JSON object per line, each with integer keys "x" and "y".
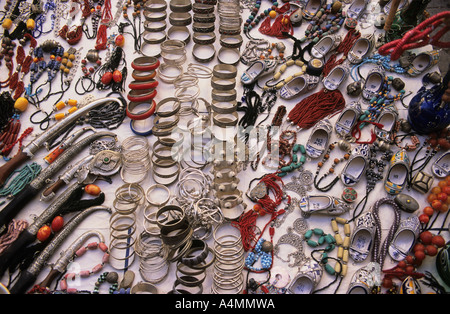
{"x": 329, "y": 269}
{"x": 294, "y": 158}
{"x": 303, "y": 159}
{"x": 312, "y": 243}
{"x": 308, "y": 234}
{"x": 286, "y": 169}
{"x": 318, "y": 231}
{"x": 302, "y": 149}
{"x": 281, "y": 174}
{"x": 321, "y": 240}
{"x": 296, "y": 148}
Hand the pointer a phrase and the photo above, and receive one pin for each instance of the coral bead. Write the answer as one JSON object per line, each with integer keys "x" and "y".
{"x": 428, "y": 210}
{"x": 107, "y": 78}
{"x": 438, "y": 241}
{"x": 21, "y": 104}
{"x": 44, "y": 233}
{"x": 426, "y": 237}
{"x": 424, "y": 218}
{"x": 57, "y": 223}
{"x": 92, "y": 189}
{"x": 418, "y": 247}
{"x": 419, "y": 255}
{"x": 431, "y": 250}
{"x": 117, "y": 76}
{"x": 442, "y": 197}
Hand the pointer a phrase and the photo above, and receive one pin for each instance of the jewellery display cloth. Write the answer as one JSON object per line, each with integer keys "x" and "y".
{"x": 285, "y": 261}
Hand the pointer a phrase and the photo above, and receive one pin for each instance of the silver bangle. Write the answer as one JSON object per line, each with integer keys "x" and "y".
{"x": 155, "y": 16}
{"x": 150, "y": 50}
{"x": 168, "y": 73}
{"x": 203, "y": 53}
{"x": 154, "y": 27}
{"x": 154, "y": 187}
{"x": 231, "y": 41}
{"x": 180, "y": 5}
{"x": 228, "y": 95}
{"x": 180, "y": 18}
{"x": 229, "y": 55}
{"x": 223, "y": 84}
{"x": 225, "y": 71}
{"x": 204, "y": 38}
{"x": 155, "y": 5}
{"x": 224, "y": 106}
{"x": 175, "y": 31}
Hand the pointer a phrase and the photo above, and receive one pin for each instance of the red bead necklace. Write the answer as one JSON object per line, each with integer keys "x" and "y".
{"x": 265, "y": 205}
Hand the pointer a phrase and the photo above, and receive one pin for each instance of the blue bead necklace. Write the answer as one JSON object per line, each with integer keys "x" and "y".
{"x": 384, "y": 61}
{"x": 259, "y": 253}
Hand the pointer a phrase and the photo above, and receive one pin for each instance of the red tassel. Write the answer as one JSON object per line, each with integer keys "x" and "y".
{"x": 19, "y": 90}
{"x": 102, "y": 37}
{"x": 13, "y": 81}
{"x": 316, "y": 107}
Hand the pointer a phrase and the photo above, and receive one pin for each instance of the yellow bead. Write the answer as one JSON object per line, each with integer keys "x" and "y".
{"x": 66, "y": 71}
{"x": 338, "y": 238}
{"x": 21, "y": 104}
{"x": 59, "y": 116}
{"x": 60, "y": 105}
{"x": 69, "y": 64}
{"x": 7, "y": 23}
{"x": 73, "y": 109}
{"x": 72, "y": 102}
{"x": 71, "y": 57}
{"x": 273, "y": 14}
{"x": 66, "y": 55}
{"x": 344, "y": 270}
{"x": 30, "y": 24}
{"x": 341, "y": 220}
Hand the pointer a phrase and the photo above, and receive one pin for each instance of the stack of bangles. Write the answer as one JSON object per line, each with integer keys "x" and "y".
{"x": 142, "y": 93}
{"x": 155, "y": 27}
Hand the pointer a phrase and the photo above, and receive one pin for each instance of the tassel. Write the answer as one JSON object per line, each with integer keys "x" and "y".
{"x": 15, "y": 227}
{"x": 316, "y": 107}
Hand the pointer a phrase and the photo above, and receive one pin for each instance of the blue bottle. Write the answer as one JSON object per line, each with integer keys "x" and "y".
{"x": 427, "y": 112}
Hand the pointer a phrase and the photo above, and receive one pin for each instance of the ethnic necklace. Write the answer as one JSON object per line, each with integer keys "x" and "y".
{"x": 331, "y": 170}
{"x": 23, "y": 66}
{"x": 73, "y": 33}
{"x": 38, "y": 31}
{"x": 328, "y": 20}
{"x": 254, "y": 19}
